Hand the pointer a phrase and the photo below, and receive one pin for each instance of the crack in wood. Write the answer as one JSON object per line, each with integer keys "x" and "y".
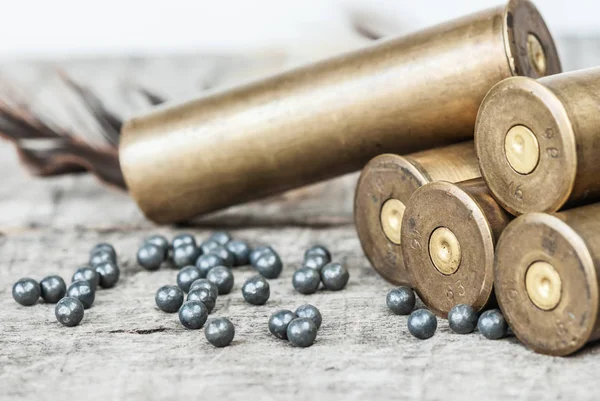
{"x": 140, "y": 331}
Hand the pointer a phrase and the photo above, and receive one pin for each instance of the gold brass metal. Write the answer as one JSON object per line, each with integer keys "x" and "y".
{"x": 561, "y": 112}
{"x": 536, "y": 54}
{"x": 543, "y": 285}
{"x": 448, "y": 236}
{"x": 521, "y": 149}
{"x": 399, "y": 95}
{"x": 546, "y": 274}
{"x": 391, "y": 219}
{"x": 444, "y": 250}
{"x": 385, "y": 185}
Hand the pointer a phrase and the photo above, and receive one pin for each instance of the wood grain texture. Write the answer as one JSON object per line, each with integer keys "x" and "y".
{"x": 126, "y": 349}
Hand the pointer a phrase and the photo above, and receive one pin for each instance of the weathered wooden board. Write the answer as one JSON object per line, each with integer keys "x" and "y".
{"x": 125, "y": 349}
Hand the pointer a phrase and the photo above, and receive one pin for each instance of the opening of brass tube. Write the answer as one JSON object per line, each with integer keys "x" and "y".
{"x": 537, "y": 56}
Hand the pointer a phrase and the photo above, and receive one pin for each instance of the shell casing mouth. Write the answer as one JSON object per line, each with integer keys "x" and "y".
{"x": 537, "y": 55}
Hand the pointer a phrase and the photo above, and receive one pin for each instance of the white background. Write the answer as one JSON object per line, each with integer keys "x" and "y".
{"x": 50, "y": 28}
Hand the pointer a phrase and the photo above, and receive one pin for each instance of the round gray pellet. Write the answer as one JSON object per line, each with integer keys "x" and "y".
{"x": 302, "y": 332}
{"x": 462, "y": 319}
{"x": 401, "y": 300}
{"x": 422, "y": 324}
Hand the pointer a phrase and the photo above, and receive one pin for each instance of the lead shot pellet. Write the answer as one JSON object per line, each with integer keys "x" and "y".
{"x": 306, "y": 280}
{"x": 219, "y": 332}
{"x": 318, "y": 250}
{"x": 221, "y": 237}
{"x": 104, "y": 247}
{"x": 161, "y": 242}
{"x": 311, "y": 312}
{"x": 87, "y": 274}
{"x": 316, "y": 262}
{"x": 240, "y": 251}
{"x": 208, "y": 245}
{"x": 222, "y": 277}
{"x": 258, "y": 251}
{"x": 279, "y": 321}
{"x": 462, "y": 319}
{"x": 183, "y": 239}
{"x": 204, "y": 283}
{"x": 102, "y": 256}
{"x": 193, "y": 314}
{"x": 334, "y": 276}
{"x": 256, "y": 290}
{"x": 227, "y": 257}
{"x": 185, "y": 255}
{"x": 492, "y": 324}
{"x": 206, "y": 262}
{"x": 26, "y": 291}
{"x": 205, "y": 296}
{"x": 422, "y": 324}
{"x": 150, "y": 257}
{"x": 52, "y": 289}
{"x": 302, "y": 332}
{"x": 83, "y": 291}
{"x": 269, "y": 265}
{"x": 109, "y": 274}
{"x": 187, "y": 276}
{"x": 401, "y": 300}
{"x": 169, "y": 298}
{"x": 69, "y": 311}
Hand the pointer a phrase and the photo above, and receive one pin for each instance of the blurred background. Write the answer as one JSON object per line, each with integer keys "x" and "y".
{"x": 72, "y": 28}
{"x": 81, "y": 68}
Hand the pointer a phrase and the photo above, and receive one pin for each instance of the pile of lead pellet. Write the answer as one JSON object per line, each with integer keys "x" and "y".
{"x": 462, "y": 319}
{"x": 102, "y": 271}
{"x": 206, "y": 272}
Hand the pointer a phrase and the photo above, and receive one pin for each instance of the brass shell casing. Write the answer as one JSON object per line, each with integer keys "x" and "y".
{"x": 559, "y": 127}
{"x": 546, "y": 273}
{"x": 448, "y": 236}
{"x": 399, "y": 95}
{"x": 391, "y": 180}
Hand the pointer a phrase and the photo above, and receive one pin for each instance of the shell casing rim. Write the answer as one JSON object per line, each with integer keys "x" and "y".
{"x": 367, "y": 212}
{"x": 516, "y": 38}
{"x": 540, "y": 330}
{"x": 426, "y": 279}
{"x": 556, "y": 169}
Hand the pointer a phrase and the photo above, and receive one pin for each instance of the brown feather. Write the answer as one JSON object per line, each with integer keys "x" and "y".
{"x": 47, "y": 151}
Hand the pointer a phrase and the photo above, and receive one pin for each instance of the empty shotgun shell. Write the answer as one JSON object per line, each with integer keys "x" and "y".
{"x": 399, "y": 96}
{"x": 537, "y": 141}
{"x": 448, "y": 236}
{"x": 385, "y": 185}
{"x": 546, "y": 276}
